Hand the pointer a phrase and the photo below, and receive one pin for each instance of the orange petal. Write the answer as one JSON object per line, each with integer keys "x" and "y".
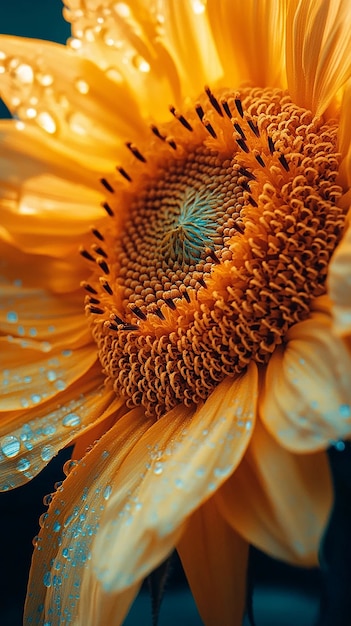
{"x": 307, "y": 398}
{"x": 175, "y": 467}
{"x": 30, "y": 438}
{"x": 130, "y": 48}
{"x": 62, "y": 580}
{"x": 243, "y": 35}
{"x": 58, "y": 275}
{"x": 77, "y": 105}
{"x": 344, "y": 136}
{"x": 214, "y": 557}
{"x": 277, "y": 500}
{"x": 318, "y": 51}
{"x": 339, "y": 282}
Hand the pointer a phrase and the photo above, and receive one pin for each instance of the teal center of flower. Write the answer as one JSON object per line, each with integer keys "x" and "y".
{"x": 216, "y": 245}
{"x": 189, "y": 227}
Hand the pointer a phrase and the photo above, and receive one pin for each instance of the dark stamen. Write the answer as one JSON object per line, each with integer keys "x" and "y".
{"x": 170, "y": 303}
{"x": 123, "y": 173}
{"x": 171, "y": 143}
{"x": 180, "y": 118}
{"x": 157, "y": 133}
{"x": 241, "y": 143}
{"x": 118, "y": 320}
{"x": 97, "y": 234}
{"x": 113, "y": 326}
{"x": 284, "y": 162}
{"x": 213, "y": 101}
{"x": 211, "y": 130}
{"x": 200, "y": 112}
{"x": 93, "y": 300}
{"x": 246, "y": 173}
{"x": 186, "y": 296}
{"x": 271, "y": 145}
{"x": 213, "y": 256}
{"x": 254, "y": 128}
{"x": 107, "y": 208}
{"x": 260, "y": 160}
{"x": 88, "y": 287}
{"x": 202, "y": 282}
{"x": 129, "y": 327}
{"x": 239, "y": 130}
{"x": 239, "y": 227}
{"x": 159, "y": 314}
{"x": 102, "y": 263}
{"x": 99, "y": 251}
{"x": 239, "y": 107}
{"x": 134, "y": 150}
{"x": 107, "y": 287}
{"x": 96, "y": 310}
{"x": 226, "y": 109}
{"x": 252, "y": 201}
{"x": 245, "y": 185}
{"x": 107, "y": 185}
{"x": 138, "y": 312}
{"x": 84, "y": 253}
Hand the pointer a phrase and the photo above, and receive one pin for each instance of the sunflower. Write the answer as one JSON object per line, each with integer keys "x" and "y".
{"x": 186, "y": 166}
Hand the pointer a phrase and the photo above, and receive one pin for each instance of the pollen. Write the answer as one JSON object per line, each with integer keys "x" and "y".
{"x": 217, "y": 238}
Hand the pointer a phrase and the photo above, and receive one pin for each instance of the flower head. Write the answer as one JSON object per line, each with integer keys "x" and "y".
{"x": 210, "y": 238}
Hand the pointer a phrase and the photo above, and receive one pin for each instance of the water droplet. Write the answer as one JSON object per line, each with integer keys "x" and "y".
{"x": 47, "y": 452}
{"x": 345, "y": 410}
{"x": 141, "y": 64}
{"x": 24, "y": 73}
{"x": 199, "y": 6}
{"x": 12, "y": 317}
{"x": 42, "y": 519}
{"x": 71, "y": 420}
{"x": 107, "y": 492}
{"x": 47, "y": 579}
{"x": 23, "y": 465}
{"x": 82, "y": 86}
{"x": 65, "y": 553}
{"x": 339, "y": 446}
{"x": 51, "y": 375}
{"x": 60, "y": 385}
{"x": 35, "y": 397}
{"x": 158, "y": 468}
{"x": 10, "y": 446}
{"x": 47, "y": 122}
{"x": 31, "y": 113}
{"x": 122, "y": 9}
{"x": 35, "y": 541}
{"x": 56, "y": 527}
{"x": 45, "y": 79}
{"x": 69, "y": 466}
{"x": 179, "y": 483}
{"x": 78, "y": 123}
{"x": 47, "y": 499}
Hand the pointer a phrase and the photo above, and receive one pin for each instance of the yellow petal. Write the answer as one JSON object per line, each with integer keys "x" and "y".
{"x": 277, "y": 500}
{"x": 58, "y": 275}
{"x": 175, "y": 467}
{"x": 62, "y": 579}
{"x": 307, "y": 398}
{"x": 214, "y": 557}
{"x": 69, "y": 98}
{"x": 125, "y": 39}
{"x": 187, "y": 31}
{"x": 339, "y": 282}
{"x": 250, "y": 37}
{"x": 30, "y": 438}
{"x": 318, "y": 51}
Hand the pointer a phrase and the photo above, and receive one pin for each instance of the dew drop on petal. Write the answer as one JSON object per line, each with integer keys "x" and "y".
{"x": 158, "y": 469}
{"x": 10, "y": 446}
{"x": 141, "y": 64}
{"x": 71, "y": 420}
{"x": 82, "y": 86}
{"x": 24, "y": 73}
{"x": 199, "y": 6}
{"x": 12, "y": 317}
{"x": 47, "y": 122}
{"x": 23, "y": 465}
{"x": 47, "y": 452}
{"x": 107, "y": 492}
{"x": 47, "y": 579}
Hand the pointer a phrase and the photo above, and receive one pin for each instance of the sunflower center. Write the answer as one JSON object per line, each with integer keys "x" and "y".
{"x": 214, "y": 246}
